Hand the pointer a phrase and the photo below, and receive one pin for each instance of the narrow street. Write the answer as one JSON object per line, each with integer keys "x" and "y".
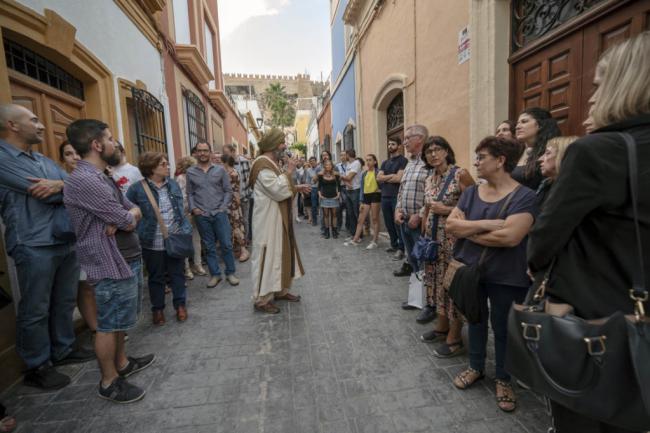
{"x": 347, "y": 359}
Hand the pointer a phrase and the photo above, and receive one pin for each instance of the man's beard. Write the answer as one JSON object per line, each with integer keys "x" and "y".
{"x": 111, "y": 160}
{"x": 279, "y": 154}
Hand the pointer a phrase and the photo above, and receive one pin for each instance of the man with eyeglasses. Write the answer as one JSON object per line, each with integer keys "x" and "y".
{"x": 208, "y": 196}
{"x": 410, "y": 197}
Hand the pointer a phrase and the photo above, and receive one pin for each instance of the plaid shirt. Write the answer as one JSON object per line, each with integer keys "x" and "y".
{"x": 243, "y": 167}
{"x": 167, "y": 213}
{"x": 410, "y": 197}
{"x": 92, "y": 206}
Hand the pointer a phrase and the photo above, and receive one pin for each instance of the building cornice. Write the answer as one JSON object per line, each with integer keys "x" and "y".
{"x": 143, "y": 14}
{"x": 190, "y": 57}
{"x": 352, "y": 11}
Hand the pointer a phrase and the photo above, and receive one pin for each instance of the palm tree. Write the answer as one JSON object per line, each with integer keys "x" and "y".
{"x": 276, "y": 100}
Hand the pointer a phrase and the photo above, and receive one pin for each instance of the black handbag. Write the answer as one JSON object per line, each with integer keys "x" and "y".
{"x": 177, "y": 245}
{"x": 597, "y": 368}
{"x": 426, "y": 249}
{"x": 463, "y": 280}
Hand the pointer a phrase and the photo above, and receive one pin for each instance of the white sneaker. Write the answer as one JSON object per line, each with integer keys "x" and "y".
{"x": 372, "y": 245}
{"x": 351, "y": 242}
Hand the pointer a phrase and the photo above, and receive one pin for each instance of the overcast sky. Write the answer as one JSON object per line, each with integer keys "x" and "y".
{"x": 285, "y": 37}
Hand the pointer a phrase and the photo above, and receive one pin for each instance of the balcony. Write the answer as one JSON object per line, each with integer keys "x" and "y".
{"x": 190, "y": 57}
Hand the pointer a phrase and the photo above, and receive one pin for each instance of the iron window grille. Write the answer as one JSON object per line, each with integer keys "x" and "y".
{"x": 149, "y": 113}
{"x": 348, "y": 137}
{"x": 195, "y": 119}
{"x": 395, "y": 114}
{"x": 27, "y": 62}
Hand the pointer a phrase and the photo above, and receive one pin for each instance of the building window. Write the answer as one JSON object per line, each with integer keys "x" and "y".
{"x": 395, "y": 118}
{"x": 348, "y": 137}
{"x": 149, "y": 115}
{"x": 209, "y": 52}
{"x": 182, "y": 21}
{"x": 327, "y": 143}
{"x": 27, "y": 62}
{"x": 194, "y": 119}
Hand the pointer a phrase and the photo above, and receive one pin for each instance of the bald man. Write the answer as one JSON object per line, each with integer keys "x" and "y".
{"x": 39, "y": 238}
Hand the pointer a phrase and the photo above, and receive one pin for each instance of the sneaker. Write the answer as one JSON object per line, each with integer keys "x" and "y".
{"x": 46, "y": 377}
{"x": 349, "y": 238}
{"x": 372, "y": 245}
{"x": 351, "y": 242}
{"x": 232, "y": 279}
{"x": 188, "y": 274}
{"x": 77, "y": 356}
{"x": 121, "y": 391}
{"x": 198, "y": 270}
{"x": 391, "y": 250}
{"x": 399, "y": 255}
{"x": 136, "y": 364}
{"x": 213, "y": 282}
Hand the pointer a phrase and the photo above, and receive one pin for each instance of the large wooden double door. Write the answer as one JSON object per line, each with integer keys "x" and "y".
{"x": 55, "y": 109}
{"x": 559, "y": 75}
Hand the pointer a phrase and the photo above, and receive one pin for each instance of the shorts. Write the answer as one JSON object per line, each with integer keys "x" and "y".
{"x": 373, "y": 197}
{"x": 117, "y": 304}
{"x": 329, "y": 203}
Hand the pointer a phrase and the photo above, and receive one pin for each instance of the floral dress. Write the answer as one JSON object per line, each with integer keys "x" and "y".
{"x": 234, "y": 212}
{"x": 434, "y": 272}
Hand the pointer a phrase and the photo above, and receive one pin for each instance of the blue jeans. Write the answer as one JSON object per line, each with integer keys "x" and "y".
{"x": 314, "y": 205}
{"x": 352, "y": 206}
{"x": 158, "y": 264}
{"x": 48, "y": 278}
{"x": 212, "y": 229}
{"x": 136, "y": 268}
{"x": 388, "y": 205}
{"x": 117, "y": 302}
{"x": 410, "y": 237}
{"x": 501, "y": 298}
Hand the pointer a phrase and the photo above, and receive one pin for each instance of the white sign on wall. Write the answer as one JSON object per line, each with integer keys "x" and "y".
{"x": 463, "y": 45}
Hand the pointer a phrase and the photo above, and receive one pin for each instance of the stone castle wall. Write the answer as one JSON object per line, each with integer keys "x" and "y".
{"x": 300, "y": 84}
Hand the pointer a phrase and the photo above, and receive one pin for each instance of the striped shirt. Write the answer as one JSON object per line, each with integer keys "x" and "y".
{"x": 410, "y": 197}
{"x": 92, "y": 206}
{"x": 167, "y": 213}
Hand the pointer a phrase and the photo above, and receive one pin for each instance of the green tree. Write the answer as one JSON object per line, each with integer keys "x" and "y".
{"x": 299, "y": 147}
{"x": 277, "y": 101}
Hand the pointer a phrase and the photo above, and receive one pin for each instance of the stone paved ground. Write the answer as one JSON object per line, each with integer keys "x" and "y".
{"x": 346, "y": 359}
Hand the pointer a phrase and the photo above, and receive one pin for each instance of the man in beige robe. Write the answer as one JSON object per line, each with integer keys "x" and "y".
{"x": 275, "y": 261}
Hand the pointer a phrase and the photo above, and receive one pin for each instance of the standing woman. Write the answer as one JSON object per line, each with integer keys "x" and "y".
{"x": 234, "y": 211}
{"x": 549, "y": 165}
{"x": 586, "y": 224}
{"x": 181, "y": 178}
{"x": 329, "y": 191}
{"x": 85, "y": 293}
{"x": 496, "y": 215}
{"x": 447, "y": 181}
{"x": 370, "y": 197}
{"x": 169, "y": 200}
{"x": 535, "y": 127}
{"x": 506, "y": 129}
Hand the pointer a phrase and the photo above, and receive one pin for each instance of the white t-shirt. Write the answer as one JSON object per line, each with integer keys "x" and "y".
{"x": 354, "y": 166}
{"x": 126, "y": 175}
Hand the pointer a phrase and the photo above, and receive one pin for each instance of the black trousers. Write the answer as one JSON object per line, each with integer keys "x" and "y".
{"x": 567, "y": 421}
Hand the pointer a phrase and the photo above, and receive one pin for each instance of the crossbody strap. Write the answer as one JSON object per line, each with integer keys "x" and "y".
{"x": 154, "y": 205}
{"x": 441, "y": 194}
{"x": 638, "y": 293}
{"x": 503, "y": 209}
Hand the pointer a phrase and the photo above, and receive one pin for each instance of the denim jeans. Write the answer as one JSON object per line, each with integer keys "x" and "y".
{"x": 352, "y": 206}
{"x": 117, "y": 304}
{"x": 158, "y": 264}
{"x": 212, "y": 229}
{"x": 48, "y": 278}
{"x": 410, "y": 237}
{"x": 501, "y": 298}
{"x": 388, "y": 205}
{"x": 314, "y": 205}
{"x": 136, "y": 268}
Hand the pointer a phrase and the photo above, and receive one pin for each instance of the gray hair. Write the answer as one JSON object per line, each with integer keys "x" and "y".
{"x": 419, "y": 130}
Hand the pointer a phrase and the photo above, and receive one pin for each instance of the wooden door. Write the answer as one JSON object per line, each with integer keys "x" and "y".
{"x": 551, "y": 79}
{"x": 55, "y": 109}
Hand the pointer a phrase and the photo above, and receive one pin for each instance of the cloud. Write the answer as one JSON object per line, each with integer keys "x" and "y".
{"x": 233, "y": 13}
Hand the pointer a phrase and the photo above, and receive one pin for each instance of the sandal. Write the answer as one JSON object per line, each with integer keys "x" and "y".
{"x": 449, "y": 350}
{"x": 268, "y": 308}
{"x": 505, "y": 396}
{"x": 467, "y": 378}
{"x": 433, "y": 336}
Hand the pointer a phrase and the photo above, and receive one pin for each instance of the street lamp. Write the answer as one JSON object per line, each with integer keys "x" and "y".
{"x": 260, "y": 122}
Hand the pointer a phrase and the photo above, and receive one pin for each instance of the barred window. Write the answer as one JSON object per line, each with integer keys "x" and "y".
{"x": 149, "y": 114}
{"x": 194, "y": 119}
{"x": 27, "y": 62}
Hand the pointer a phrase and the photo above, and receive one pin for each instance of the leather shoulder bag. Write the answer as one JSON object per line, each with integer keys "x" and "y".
{"x": 426, "y": 248}
{"x": 177, "y": 245}
{"x": 462, "y": 281}
{"x": 597, "y": 368}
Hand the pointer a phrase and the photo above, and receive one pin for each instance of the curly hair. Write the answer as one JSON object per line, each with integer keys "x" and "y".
{"x": 548, "y": 129}
{"x": 510, "y": 149}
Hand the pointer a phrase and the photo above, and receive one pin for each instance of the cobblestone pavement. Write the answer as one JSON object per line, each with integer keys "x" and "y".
{"x": 347, "y": 359}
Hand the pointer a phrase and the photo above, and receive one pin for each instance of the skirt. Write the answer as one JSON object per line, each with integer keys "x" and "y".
{"x": 330, "y": 203}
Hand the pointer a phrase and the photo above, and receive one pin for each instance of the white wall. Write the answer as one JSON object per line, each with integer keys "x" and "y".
{"x": 111, "y": 36}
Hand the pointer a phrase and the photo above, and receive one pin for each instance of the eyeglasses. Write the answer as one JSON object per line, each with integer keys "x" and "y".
{"x": 481, "y": 156}
{"x": 408, "y": 137}
{"x": 163, "y": 164}
{"x": 432, "y": 150}
{"x": 202, "y": 151}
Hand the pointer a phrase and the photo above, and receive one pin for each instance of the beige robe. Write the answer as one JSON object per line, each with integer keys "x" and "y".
{"x": 275, "y": 261}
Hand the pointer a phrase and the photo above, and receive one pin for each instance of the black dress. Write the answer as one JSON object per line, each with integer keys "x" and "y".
{"x": 532, "y": 182}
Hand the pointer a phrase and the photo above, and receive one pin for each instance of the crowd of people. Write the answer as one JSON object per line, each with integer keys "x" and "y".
{"x": 84, "y": 232}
